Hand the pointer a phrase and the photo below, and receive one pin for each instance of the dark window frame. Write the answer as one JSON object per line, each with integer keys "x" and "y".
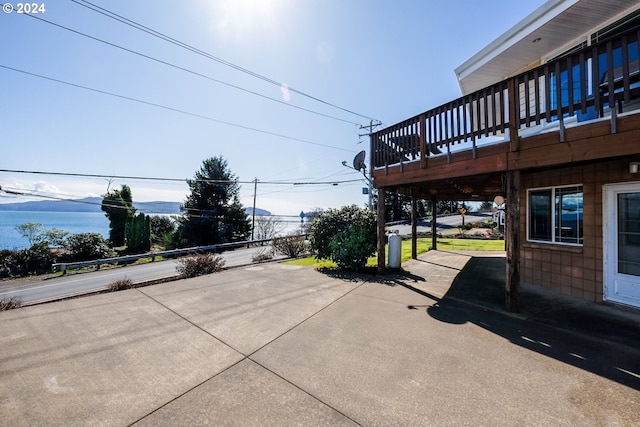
{"x": 555, "y": 215}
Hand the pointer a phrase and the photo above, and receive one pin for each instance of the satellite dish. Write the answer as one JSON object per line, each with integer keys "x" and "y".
{"x": 358, "y": 161}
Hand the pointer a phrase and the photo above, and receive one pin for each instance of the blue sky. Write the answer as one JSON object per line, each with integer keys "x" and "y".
{"x": 381, "y": 59}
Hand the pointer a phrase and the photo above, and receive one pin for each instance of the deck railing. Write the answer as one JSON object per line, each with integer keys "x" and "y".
{"x": 577, "y": 87}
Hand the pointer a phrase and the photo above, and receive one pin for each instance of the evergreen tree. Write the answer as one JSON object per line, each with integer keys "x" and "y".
{"x": 138, "y": 233}
{"x": 213, "y": 213}
{"x": 397, "y": 207}
{"x": 118, "y": 208}
{"x": 486, "y": 206}
{"x": 162, "y": 227}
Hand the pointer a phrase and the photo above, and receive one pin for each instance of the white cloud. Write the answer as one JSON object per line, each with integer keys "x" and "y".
{"x": 44, "y": 187}
{"x": 13, "y": 188}
{"x": 79, "y": 188}
{"x": 286, "y": 95}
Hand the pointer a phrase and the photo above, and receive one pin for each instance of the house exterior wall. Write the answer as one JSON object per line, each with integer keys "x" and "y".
{"x": 573, "y": 121}
{"x": 572, "y": 270}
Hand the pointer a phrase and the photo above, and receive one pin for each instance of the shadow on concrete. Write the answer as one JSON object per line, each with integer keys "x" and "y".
{"x": 602, "y": 340}
{"x": 347, "y": 276}
{"x": 370, "y": 274}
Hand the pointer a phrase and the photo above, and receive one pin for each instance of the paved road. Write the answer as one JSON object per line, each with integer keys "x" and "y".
{"x": 30, "y": 292}
{"x": 38, "y": 290}
{"x": 442, "y": 224}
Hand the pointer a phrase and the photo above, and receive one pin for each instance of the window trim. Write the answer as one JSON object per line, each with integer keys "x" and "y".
{"x": 553, "y": 190}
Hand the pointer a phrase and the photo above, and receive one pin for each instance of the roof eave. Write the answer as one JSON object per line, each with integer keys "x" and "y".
{"x": 518, "y": 32}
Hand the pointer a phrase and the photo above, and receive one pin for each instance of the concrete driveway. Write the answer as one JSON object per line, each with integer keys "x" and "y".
{"x": 280, "y": 345}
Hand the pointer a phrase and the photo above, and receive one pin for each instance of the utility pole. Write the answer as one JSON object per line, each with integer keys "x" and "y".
{"x": 368, "y": 179}
{"x": 370, "y": 128}
{"x": 253, "y": 216}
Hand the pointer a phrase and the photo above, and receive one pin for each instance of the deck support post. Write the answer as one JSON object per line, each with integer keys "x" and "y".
{"x": 382, "y": 236}
{"x": 512, "y": 226}
{"x": 514, "y": 116}
{"x": 414, "y": 225}
{"x": 434, "y": 217}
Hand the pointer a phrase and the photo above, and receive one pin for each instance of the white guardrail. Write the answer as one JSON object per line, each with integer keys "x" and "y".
{"x": 64, "y": 266}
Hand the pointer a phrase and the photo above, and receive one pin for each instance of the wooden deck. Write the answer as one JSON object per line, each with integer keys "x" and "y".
{"x": 565, "y": 111}
{"x": 460, "y": 176}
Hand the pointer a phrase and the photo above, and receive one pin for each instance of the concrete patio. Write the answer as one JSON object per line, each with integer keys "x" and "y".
{"x": 280, "y": 345}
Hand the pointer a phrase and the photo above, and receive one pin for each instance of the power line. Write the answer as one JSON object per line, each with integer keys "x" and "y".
{"x": 211, "y": 181}
{"x": 187, "y": 70}
{"x": 183, "y": 45}
{"x": 80, "y": 199}
{"x": 177, "y": 110}
{"x": 298, "y": 190}
{"x": 193, "y": 212}
{"x": 19, "y": 192}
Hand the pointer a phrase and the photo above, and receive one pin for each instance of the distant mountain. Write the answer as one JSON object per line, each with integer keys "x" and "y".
{"x": 88, "y": 204}
{"x": 92, "y": 204}
{"x": 259, "y": 212}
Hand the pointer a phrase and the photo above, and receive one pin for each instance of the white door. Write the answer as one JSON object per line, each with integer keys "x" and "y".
{"x": 622, "y": 243}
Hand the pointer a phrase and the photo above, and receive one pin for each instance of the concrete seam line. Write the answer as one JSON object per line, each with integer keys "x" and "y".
{"x": 303, "y": 321}
{"x": 186, "y": 391}
{"x": 304, "y": 391}
{"x": 190, "y": 322}
{"x": 245, "y": 357}
{"x": 289, "y": 330}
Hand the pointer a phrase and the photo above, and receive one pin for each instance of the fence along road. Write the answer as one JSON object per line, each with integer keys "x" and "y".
{"x": 38, "y": 290}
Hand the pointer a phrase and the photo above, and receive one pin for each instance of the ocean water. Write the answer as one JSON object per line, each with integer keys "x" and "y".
{"x": 73, "y": 222}
{"x": 82, "y": 222}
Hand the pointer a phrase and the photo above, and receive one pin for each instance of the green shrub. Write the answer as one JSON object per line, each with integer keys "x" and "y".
{"x": 86, "y": 247}
{"x": 162, "y": 226}
{"x": 199, "y": 264}
{"x": 292, "y": 245}
{"x": 7, "y": 261}
{"x": 346, "y": 236}
{"x": 175, "y": 239}
{"x": 35, "y": 260}
{"x": 351, "y": 249}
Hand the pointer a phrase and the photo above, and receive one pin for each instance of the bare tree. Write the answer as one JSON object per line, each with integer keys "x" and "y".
{"x": 267, "y": 227}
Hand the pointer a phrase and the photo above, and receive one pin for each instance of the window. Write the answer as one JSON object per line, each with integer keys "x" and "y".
{"x": 555, "y": 215}
{"x": 620, "y": 26}
{"x": 628, "y": 233}
{"x": 559, "y": 84}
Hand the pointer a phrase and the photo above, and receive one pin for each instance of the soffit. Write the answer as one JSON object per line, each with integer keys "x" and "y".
{"x": 558, "y": 24}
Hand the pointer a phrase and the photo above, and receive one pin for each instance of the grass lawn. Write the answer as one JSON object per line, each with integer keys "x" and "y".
{"x": 424, "y": 245}
{"x": 463, "y": 245}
